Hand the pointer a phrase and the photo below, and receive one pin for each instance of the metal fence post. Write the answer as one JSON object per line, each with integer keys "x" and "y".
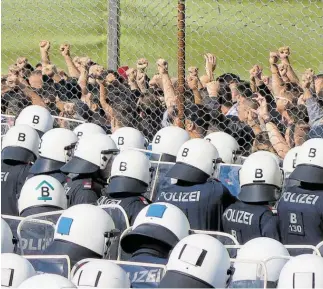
{"x": 114, "y": 34}
{"x": 181, "y": 56}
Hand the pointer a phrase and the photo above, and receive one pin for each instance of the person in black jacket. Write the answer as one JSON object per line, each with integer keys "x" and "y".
{"x": 19, "y": 149}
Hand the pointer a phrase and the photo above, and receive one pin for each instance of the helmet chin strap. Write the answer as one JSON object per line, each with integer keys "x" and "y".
{"x": 111, "y": 237}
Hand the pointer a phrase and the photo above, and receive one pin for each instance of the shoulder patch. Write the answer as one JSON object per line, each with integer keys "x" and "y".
{"x": 144, "y": 200}
{"x": 87, "y": 184}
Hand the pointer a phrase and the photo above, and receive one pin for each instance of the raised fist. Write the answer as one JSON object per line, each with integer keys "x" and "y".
{"x": 44, "y": 45}
{"x": 273, "y": 57}
{"x": 308, "y": 78}
{"x": 21, "y": 62}
{"x": 192, "y": 82}
{"x": 65, "y": 49}
{"x": 284, "y": 52}
{"x": 132, "y": 74}
{"x": 283, "y": 68}
{"x": 212, "y": 88}
{"x": 142, "y": 64}
{"x": 162, "y": 66}
{"x": 193, "y": 71}
{"x": 255, "y": 71}
{"x": 141, "y": 80}
{"x": 156, "y": 81}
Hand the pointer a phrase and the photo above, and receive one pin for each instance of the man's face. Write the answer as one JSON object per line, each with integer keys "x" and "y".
{"x": 36, "y": 81}
{"x": 242, "y": 111}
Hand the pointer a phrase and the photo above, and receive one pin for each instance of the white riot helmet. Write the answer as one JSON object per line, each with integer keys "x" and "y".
{"x": 303, "y": 271}
{"x": 101, "y": 274}
{"x": 167, "y": 142}
{"x": 195, "y": 161}
{"x": 309, "y": 162}
{"x": 14, "y": 270}
{"x": 92, "y": 153}
{"x": 55, "y": 149}
{"x": 197, "y": 261}
{"x": 42, "y": 191}
{"x": 36, "y": 117}
{"x": 84, "y": 225}
{"x": 260, "y": 249}
{"x": 51, "y": 281}
{"x": 259, "y": 154}
{"x": 130, "y": 173}
{"x": 220, "y": 139}
{"x": 289, "y": 163}
{"x": 128, "y": 137}
{"x": 260, "y": 180}
{"x": 88, "y": 129}
{"x": 160, "y": 222}
{"x": 20, "y": 144}
{"x": 7, "y": 239}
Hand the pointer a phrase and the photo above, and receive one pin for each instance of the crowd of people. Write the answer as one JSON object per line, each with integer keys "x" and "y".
{"x": 138, "y": 180}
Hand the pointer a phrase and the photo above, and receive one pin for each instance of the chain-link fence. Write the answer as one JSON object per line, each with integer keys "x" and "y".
{"x": 232, "y": 83}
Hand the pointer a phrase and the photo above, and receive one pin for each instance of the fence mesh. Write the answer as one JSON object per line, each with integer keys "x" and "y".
{"x": 228, "y": 89}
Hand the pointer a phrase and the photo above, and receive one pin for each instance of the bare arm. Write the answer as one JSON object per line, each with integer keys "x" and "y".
{"x": 44, "y": 52}
{"x": 277, "y": 82}
{"x": 103, "y": 96}
{"x": 33, "y": 96}
{"x": 277, "y": 140}
{"x": 284, "y": 53}
{"x": 72, "y": 70}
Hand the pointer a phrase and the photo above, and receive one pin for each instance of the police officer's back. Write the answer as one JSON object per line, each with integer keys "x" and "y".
{"x": 165, "y": 146}
{"x": 128, "y": 137}
{"x": 251, "y": 217}
{"x": 41, "y": 194}
{"x": 20, "y": 148}
{"x": 155, "y": 232}
{"x": 90, "y": 169}
{"x": 300, "y": 209}
{"x": 37, "y": 117}
{"x": 81, "y": 232}
{"x": 202, "y": 200}
{"x": 55, "y": 149}
{"x": 130, "y": 177}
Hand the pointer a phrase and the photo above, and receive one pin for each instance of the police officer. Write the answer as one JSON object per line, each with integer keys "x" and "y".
{"x": 293, "y": 273}
{"x": 14, "y": 270}
{"x": 7, "y": 239}
{"x": 129, "y": 137}
{"x": 164, "y": 147}
{"x": 41, "y": 194}
{"x": 36, "y": 117}
{"x": 81, "y": 232}
{"x": 226, "y": 145}
{"x": 259, "y": 249}
{"x": 155, "y": 232}
{"x": 19, "y": 149}
{"x": 300, "y": 209}
{"x": 198, "y": 261}
{"x": 101, "y": 274}
{"x": 130, "y": 177}
{"x": 87, "y": 129}
{"x": 90, "y": 166}
{"x": 202, "y": 200}
{"x": 260, "y": 182}
{"x": 55, "y": 149}
{"x": 167, "y": 142}
{"x": 289, "y": 165}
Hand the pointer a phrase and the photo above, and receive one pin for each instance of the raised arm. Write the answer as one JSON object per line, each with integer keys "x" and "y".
{"x": 193, "y": 83}
{"x": 277, "y": 82}
{"x": 284, "y": 53}
{"x": 44, "y": 52}
{"x": 72, "y": 70}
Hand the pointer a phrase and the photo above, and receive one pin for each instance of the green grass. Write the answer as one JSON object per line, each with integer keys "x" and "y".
{"x": 240, "y": 33}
